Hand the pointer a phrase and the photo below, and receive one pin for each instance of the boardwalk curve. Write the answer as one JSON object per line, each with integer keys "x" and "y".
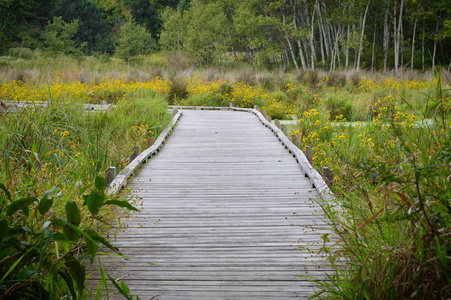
{"x": 225, "y": 208}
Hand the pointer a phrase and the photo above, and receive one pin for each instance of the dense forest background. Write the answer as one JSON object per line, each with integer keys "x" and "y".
{"x": 359, "y": 34}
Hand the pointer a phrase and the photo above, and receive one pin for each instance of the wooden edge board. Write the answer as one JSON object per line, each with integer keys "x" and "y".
{"x": 87, "y": 107}
{"x": 121, "y": 179}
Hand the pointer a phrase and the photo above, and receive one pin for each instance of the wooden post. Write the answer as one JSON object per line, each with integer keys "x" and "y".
{"x": 295, "y": 140}
{"x": 110, "y": 174}
{"x": 231, "y": 104}
{"x": 150, "y": 141}
{"x": 309, "y": 154}
{"x": 136, "y": 152}
{"x": 268, "y": 117}
{"x": 284, "y": 128}
{"x": 174, "y": 111}
{"x": 328, "y": 176}
{"x": 277, "y": 123}
{"x": 256, "y": 107}
{"x": 264, "y": 112}
{"x": 157, "y": 131}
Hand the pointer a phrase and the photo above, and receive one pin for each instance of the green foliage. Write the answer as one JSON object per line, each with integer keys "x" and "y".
{"x": 13, "y": 21}
{"x": 52, "y": 202}
{"x": 134, "y": 39}
{"x": 205, "y": 36}
{"x": 392, "y": 188}
{"x": 58, "y": 37}
{"x": 338, "y": 108}
{"x": 174, "y": 29}
{"x": 92, "y": 28}
{"x": 148, "y": 12}
{"x": 22, "y": 52}
{"x": 43, "y": 247}
{"x": 178, "y": 90}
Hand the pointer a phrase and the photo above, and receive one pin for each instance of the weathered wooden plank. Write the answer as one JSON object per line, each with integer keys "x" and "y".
{"x": 226, "y": 209}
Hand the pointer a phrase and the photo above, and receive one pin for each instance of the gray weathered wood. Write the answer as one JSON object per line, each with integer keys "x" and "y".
{"x": 231, "y": 104}
{"x": 264, "y": 112}
{"x": 150, "y": 141}
{"x": 268, "y": 118}
{"x": 225, "y": 211}
{"x": 136, "y": 151}
{"x": 277, "y": 123}
{"x": 174, "y": 111}
{"x": 295, "y": 140}
{"x": 121, "y": 179}
{"x": 327, "y": 174}
{"x": 256, "y": 107}
{"x": 309, "y": 154}
{"x": 284, "y": 128}
{"x": 110, "y": 174}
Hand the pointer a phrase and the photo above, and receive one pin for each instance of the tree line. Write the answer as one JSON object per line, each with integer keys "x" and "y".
{"x": 328, "y": 34}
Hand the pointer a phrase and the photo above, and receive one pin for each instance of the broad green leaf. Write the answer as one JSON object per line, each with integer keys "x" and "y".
{"x": 59, "y": 237}
{"x": 77, "y": 272}
{"x": 4, "y": 229}
{"x": 100, "y": 183}
{"x": 74, "y": 228}
{"x": 8, "y": 194}
{"x": 44, "y": 241}
{"x": 48, "y": 193}
{"x": 70, "y": 233}
{"x": 120, "y": 203}
{"x": 95, "y": 236}
{"x": 69, "y": 282}
{"x": 85, "y": 199}
{"x": 95, "y": 201}
{"x": 73, "y": 217}
{"x": 44, "y": 205}
{"x": 73, "y": 213}
{"x": 21, "y": 204}
{"x": 119, "y": 289}
{"x": 93, "y": 246}
{"x": 22, "y": 275}
{"x": 125, "y": 288}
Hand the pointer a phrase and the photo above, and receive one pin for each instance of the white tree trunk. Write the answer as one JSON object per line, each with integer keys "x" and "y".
{"x": 397, "y": 30}
{"x": 435, "y": 49}
{"x": 312, "y": 46}
{"x": 347, "y": 47}
{"x": 361, "y": 36}
{"x": 290, "y": 47}
{"x": 386, "y": 35}
{"x": 422, "y": 48}
{"x": 373, "y": 56}
{"x": 301, "y": 53}
{"x": 395, "y": 39}
{"x": 413, "y": 43}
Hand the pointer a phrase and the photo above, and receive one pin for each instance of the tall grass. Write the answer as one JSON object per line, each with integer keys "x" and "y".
{"x": 393, "y": 182}
{"x": 52, "y": 200}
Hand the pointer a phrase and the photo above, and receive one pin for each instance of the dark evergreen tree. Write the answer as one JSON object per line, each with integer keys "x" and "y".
{"x": 92, "y": 28}
{"x": 148, "y": 13}
{"x": 13, "y": 21}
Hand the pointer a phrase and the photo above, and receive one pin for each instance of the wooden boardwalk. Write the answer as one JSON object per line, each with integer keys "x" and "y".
{"x": 225, "y": 209}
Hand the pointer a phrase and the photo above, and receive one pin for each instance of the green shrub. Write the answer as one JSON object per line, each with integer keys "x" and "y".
{"x": 338, "y": 108}
{"x": 178, "y": 89}
{"x": 52, "y": 199}
{"x": 21, "y": 52}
